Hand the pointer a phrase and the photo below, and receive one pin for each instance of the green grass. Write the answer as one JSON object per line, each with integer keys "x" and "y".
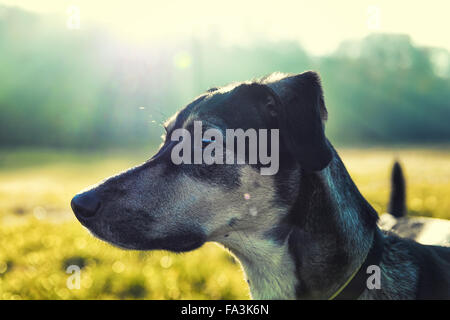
{"x": 40, "y": 237}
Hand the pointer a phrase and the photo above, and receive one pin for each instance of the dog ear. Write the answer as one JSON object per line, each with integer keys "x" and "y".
{"x": 301, "y": 112}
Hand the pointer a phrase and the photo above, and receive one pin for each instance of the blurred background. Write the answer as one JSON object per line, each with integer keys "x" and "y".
{"x": 84, "y": 87}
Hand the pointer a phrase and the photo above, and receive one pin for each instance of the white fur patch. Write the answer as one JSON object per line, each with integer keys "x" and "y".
{"x": 268, "y": 266}
{"x": 435, "y": 232}
{"x": 430, "y": 231}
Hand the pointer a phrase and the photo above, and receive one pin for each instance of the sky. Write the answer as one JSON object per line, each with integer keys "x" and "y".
{"x": 319, "y": 25}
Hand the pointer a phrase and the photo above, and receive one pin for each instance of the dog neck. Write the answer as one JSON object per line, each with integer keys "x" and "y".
{"x": 317, "y": 246}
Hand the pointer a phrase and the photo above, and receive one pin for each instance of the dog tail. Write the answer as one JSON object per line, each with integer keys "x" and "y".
{"x": 397, "y": 203}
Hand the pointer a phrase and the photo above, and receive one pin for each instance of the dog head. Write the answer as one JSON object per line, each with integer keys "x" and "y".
{"x": 163, "y": 204}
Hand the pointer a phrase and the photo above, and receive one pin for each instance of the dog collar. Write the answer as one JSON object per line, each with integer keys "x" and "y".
{"x": 357, "y": 282}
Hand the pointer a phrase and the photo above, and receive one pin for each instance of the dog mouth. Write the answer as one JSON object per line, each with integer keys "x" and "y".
{"x": 169, "y": 244}
{"x": 129, "y": 238}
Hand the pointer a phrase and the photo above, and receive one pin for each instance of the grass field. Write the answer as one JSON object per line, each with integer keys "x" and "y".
{"x": 40, "y": 238}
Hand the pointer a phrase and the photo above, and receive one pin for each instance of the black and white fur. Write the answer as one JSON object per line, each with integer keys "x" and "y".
{"x": 424, "y": 230}
{"x": 312, "y": 228}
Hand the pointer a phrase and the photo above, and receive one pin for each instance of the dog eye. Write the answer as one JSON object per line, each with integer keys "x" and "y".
{"x": 207, "y": 141}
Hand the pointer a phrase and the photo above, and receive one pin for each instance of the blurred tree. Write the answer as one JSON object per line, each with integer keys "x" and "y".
{"x": 85, "y": 89}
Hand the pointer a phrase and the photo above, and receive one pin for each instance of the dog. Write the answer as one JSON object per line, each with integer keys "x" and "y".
{"x": 305, "y": 232}
{"x": 425, "y": 230}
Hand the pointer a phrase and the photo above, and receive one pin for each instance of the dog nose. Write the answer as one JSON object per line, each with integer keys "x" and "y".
{"x": 85, "y": 205}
